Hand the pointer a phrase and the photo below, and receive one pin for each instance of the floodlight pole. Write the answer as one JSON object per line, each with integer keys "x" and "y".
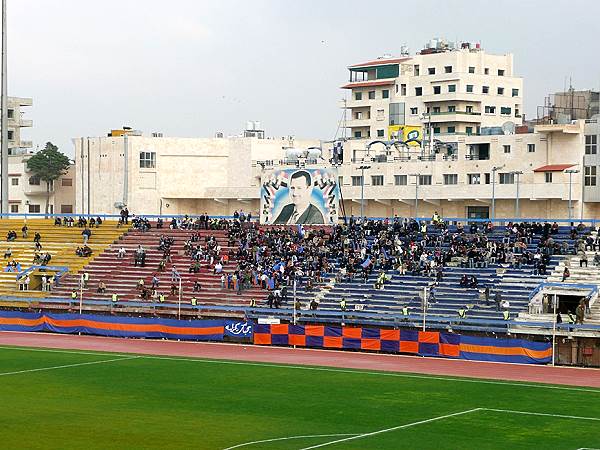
{"x": 362, "y": 190}
{"x": 571, "y": 172}
{"x": 4, "y": 119}
{"x": 424, "y": 305}
{"x": 179, "y": 302}
{"x": 416, "y": 175}
{"x": 294, "y": 310}
{"x": 494, "y": 170}
{"x": 81, "y": 294}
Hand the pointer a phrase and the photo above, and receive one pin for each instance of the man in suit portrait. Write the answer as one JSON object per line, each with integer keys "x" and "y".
{"x": 300, "y": 210}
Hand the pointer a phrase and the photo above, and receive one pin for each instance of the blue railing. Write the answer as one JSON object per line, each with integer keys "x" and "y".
{"x": 592, "y": 287}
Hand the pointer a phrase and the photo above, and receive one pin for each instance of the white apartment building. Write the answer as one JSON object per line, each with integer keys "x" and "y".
{"x": 458, "y": 89}
{"x": 16, "y": 122}
{"x": 27, "y": 193}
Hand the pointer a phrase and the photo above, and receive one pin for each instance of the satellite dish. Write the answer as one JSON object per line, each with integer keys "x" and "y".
{"x": 508, "y": 127}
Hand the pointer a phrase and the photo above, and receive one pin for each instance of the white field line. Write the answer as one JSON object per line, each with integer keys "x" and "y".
{"x": 386, "y": 430}
{"x": 326, "y": 369}
{"x": 288, "y": 438}
{"x": 531, "y": 413}
{"x": 509, "y": 411}
{"x": 40, "y": 369}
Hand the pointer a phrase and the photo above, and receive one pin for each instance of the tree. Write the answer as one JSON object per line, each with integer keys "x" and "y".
{"x": 49, "y": 165}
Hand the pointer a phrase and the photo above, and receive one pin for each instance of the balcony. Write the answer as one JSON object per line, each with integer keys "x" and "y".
{"x": 26, "y": 144}
{"x": 25, "y": 123}
{"x": 36, "y": 189}
{"x": 354, "y": 123}
{"x": 452, "y": 96}
{"x": 455, "y": 116}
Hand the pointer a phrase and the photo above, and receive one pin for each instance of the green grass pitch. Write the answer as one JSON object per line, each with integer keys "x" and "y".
{"x": 86, "y": 400}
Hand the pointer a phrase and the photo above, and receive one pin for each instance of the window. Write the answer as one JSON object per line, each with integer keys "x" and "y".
{"x": 358, "y": 134}
{"x": 469, "y": 109}
{"x": 530, "y": 148}
{"x": 490, "y": 110}
{"x": 340, "y": 180}
{"x": 437, "y": 89}
{"x": 436, "y": 110}
{"x": 469, "y": 131}
{"x": 500, "y": 91}
{"x": 506, "y": 178}
{"x": 385, "y": 93}
{"x": 371, "y": 95}
{"x": 448, "y": 69}
{"x": 437, "y": 130}
{"x": 452, "y": 129}
{"x": 66, "y": 209}
{"x": 11, "y": 135}
{"x": 11, "y": 113}
{"x": 451, "y": 108}
{"x": 358, "y": 115}
{"x": 380, "y": 114}
{"x": 485, "y": 89}
{"x": 431, "y": 70}
{"x": 414, "y": 111}
{"x": 377, "y": 180}
{"x": 500, "y": 72}
{"x": 487, "y": 178}
{"x": 67, "y": 182}
{"x": 474, "y": 178}
{"x": 147, "y": 160}
{"x": 400, "y": 180}
{"x": 416, "y": 70}
{"x": 515, "y": 92}
{"x": 14, "y": 208}
{"x": 358, "y": 96}
{"x": 486, "y": 71}
{"x": 424, "y": 179}
{"x": 590, "y": 175}
{"x": 380, "y": 133}
{"x": 506, "y": 148}
{"x": 418, "y": 91}
{"x": 403, "y": 89}
{"x": 34, "y": 209}
{"x": 34, "y": 181}
{"x": 469, "y": 88}
{"x": 450, "y": 178}
{"x": 356, "y": 180}
{"x": 506, "y": 110}
{"x": 451, "y": 88}
{"x": 471, "y": 69}
{"x": 14, "y": 181}
{"x": 591, "y": 147}
{"x": 548, "y": 177}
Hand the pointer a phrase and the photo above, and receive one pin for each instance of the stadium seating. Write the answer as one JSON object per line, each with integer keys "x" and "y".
{"x": 60, "y": 242}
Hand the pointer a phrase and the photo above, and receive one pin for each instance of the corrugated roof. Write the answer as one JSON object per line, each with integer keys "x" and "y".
{"x": 358, "y": 84}
{"x": 379, "y": 62}
{"x": 553, "y": 168}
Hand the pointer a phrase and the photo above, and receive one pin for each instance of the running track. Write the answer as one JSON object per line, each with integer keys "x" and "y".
{"x": 328, "y": 358}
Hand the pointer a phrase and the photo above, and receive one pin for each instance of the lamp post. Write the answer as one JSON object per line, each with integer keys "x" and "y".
{"x": 571, "y": 172}
{"x": 4, "y": 119}
{"x": 362, "y": 189}
{"x": 494, "y": 170}
{"x": 416, "y": 175}
{"x": 518, "y": 173}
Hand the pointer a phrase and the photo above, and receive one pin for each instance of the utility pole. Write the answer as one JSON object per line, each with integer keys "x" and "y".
{"x": 416, "y": 175}
{"x": 571, "y": 172}
{"x": 4, "y": 118}
{"x": 362, "y": 190}
{"x": 518, "y": 173}
{"x": 494, "y": 170}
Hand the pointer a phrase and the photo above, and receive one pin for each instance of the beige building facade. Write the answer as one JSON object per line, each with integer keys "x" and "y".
{"x": 456, "y": 89}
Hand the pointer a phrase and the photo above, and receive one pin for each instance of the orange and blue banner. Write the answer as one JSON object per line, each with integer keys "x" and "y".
{"x": 424, "y": 343}
{"x": 115, "y": 326}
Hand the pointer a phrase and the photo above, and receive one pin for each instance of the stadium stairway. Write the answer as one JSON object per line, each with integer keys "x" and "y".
{"x": 60, "y": 242}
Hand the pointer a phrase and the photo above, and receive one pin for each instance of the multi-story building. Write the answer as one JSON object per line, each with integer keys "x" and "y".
{"x": 457, "y": 89}
{"x": 15, "y": 122}
{"x": 563, "y": 107}
{"x": 27, "y": 193}
{"x": 165, "y": 175}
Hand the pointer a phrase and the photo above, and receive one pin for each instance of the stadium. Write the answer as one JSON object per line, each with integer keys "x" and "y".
{"x": 426, "y": 278}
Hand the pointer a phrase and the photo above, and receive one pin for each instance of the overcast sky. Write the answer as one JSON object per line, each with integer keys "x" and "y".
{"x": 190, "y": 68}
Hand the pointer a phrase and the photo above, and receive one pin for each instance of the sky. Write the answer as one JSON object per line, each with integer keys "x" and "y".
{"x": 190, "y": 68}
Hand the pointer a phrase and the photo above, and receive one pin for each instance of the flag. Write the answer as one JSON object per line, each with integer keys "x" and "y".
{"x": 366, "y": 263}
{"x": 300, "y": 230}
